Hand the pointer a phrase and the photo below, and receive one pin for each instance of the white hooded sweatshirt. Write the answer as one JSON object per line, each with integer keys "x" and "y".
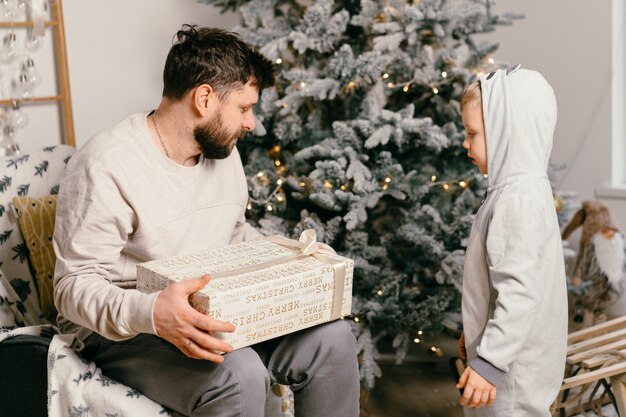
{"x": 514, "y": 289}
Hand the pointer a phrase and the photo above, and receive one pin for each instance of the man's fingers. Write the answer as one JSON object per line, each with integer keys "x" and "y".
{"x": 193, "y": 350}
{"x": 211, "y": 343}
{"x": 190, "y": 286}
{"x": 207, "y": 324}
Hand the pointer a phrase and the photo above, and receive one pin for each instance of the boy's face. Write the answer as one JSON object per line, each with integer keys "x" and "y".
{"x": 475, "y": 141}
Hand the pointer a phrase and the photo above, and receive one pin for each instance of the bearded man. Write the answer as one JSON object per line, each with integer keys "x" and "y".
{"x": 170, "y": 182}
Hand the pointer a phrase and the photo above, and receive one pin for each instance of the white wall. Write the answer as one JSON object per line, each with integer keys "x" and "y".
{"x": 117, "y": 48}
{"x": 569, "y": 42}
{"x": 116, "y": 52}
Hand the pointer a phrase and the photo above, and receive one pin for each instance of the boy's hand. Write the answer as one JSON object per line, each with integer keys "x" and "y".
{"x": 478, "y": 391}
{"x": 462, "y": 351}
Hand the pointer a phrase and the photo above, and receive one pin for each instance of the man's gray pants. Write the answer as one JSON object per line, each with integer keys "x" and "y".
{"x": 318, "y": 364}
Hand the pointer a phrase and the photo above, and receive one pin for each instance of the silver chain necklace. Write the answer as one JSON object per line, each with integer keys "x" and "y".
{"x": 156, "y": 127}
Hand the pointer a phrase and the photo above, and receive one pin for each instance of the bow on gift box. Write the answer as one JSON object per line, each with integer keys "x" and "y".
{"x": 307, "y": 243}
{"x": 309, "y": 246}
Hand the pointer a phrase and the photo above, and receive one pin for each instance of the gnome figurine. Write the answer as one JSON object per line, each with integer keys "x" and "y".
{"x": 600, "y": 259}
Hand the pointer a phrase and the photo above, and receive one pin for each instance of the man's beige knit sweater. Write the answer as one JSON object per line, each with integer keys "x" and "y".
{"x": 123, "y": 202}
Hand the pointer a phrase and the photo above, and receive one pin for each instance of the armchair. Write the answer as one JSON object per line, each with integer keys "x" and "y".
{"x": 25, "y": 317}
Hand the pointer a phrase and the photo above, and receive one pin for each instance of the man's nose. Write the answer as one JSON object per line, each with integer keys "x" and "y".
{"x": 249, "y": 123}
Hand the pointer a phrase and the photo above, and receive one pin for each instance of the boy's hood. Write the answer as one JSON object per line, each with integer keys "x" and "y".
{"x": 519, "y": 113}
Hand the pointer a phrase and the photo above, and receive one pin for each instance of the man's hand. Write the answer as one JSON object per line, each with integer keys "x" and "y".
{"x": 462, "y": 351}
{"x": 478, "y": 391}
{"x": 180, "y": 324}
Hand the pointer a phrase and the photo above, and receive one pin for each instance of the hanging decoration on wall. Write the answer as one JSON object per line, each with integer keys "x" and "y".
{"x": 19, "y": 76}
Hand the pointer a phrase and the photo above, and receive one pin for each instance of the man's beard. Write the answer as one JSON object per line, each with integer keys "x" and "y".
{"x": 215, "y": 141}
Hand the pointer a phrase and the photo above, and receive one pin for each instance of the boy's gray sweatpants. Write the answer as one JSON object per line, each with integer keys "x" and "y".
{"x": 319, "y": 364}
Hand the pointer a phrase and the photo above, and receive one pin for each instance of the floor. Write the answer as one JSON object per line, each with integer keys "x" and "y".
{"x": 422, "y": 386}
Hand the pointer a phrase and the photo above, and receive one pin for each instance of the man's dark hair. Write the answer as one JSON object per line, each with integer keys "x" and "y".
{"x": 215, "y": 57}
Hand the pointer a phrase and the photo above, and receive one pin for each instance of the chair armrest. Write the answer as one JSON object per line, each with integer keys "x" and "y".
{"x": 24, "y": 381}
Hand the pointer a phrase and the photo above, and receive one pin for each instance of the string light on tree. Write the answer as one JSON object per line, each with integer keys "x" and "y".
{"x": 444, "y": 74}
{"x": 279, "y": 61}
{"x": 436, "y": 351}
{"x": 435, "y": 90}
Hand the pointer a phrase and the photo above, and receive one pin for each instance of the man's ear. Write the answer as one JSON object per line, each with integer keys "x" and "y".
{"x": 204, "y": 98}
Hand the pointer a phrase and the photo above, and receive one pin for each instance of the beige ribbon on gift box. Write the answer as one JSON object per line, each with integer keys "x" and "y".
{"x": 308, "y": 246}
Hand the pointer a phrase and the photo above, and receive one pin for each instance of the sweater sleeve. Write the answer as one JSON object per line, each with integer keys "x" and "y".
{"x": 244, "y": 231}
{"x": 93, "y": 222}
{"x": 517, "y": 233}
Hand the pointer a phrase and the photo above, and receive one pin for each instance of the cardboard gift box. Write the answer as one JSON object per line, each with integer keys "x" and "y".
{"x": 267, "y": 287}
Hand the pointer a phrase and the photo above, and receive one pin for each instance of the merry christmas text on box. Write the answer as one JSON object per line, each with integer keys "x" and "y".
{"x": 266, "y": 287}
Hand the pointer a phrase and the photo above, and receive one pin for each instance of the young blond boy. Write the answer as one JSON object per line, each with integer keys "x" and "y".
{"x": 514, "y": 291}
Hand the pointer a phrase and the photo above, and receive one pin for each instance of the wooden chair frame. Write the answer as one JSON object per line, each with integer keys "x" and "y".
{"x": 596, "y": 361}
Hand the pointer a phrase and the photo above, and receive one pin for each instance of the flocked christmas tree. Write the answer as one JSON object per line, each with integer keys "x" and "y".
{"x": 361, "y": 141}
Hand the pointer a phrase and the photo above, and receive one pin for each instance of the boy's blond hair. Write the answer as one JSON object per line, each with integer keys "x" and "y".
{"x": 472, "y": 94}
